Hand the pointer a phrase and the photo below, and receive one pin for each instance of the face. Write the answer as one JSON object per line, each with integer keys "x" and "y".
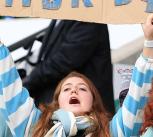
{"x": 75, "y": 96}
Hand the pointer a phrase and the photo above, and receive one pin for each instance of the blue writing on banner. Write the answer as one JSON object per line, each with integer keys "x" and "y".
{"x": 51, "y": 4}
{"x": 8, "y": 3}
{"x": 149, "y": 6}
{"x": 87, "y": 3}
{"x": 121, "y": 2}
{"x": 25, "y": 3}
{"x": 54, "y": 4}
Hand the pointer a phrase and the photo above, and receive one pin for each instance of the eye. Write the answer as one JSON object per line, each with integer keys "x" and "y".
{"x": 83, "y": 89}
{"x": 66, "y": 89}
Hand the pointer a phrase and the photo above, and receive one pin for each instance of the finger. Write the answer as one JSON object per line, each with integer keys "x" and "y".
{"x": 149, "y": 20}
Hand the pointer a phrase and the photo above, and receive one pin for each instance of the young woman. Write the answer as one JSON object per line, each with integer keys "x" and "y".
{"x": 76, "y": 109}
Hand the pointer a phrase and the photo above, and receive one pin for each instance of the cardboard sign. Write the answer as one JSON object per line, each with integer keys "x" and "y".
{"x": 100, "y": 11}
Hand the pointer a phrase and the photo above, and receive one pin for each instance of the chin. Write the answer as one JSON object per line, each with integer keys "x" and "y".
{"x": 81, "y": 113}
{"x": 78, "y": 113}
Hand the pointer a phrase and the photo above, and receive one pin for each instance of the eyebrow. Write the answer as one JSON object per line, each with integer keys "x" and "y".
{"x": 83, "y": 84}
{"x": 67, "y": 84}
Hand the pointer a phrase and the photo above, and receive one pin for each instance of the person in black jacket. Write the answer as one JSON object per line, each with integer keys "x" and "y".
{"x": 73, "y": 46}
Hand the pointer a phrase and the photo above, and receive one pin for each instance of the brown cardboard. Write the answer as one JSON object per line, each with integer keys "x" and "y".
{"x": 91, "y": 14}
{"x": 103, "y": 11}
{"x": 134, "y": 12}
{"x": 15, "y": 10}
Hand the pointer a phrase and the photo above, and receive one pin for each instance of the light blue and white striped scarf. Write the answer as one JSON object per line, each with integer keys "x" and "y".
{"x": 66, "y": 124}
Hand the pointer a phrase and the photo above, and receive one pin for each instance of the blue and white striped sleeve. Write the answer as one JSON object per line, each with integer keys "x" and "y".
{"x": 15, "y": 103}
{"x": 128, "y": 120}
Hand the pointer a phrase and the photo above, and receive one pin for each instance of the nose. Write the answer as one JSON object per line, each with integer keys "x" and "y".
{"x": 74, "y": 90}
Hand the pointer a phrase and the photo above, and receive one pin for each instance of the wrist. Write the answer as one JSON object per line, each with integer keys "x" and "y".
{"x": 148, "y": 43}
{"x": 148, "y": 49}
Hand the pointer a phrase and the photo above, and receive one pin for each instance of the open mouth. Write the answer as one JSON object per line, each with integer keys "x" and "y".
{"x": 74, "y": 100}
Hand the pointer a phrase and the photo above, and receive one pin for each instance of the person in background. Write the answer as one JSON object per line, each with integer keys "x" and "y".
{"x": 147, "y": 126}
{"x": 72, "y": 46}
{"x": 76, "y": 108}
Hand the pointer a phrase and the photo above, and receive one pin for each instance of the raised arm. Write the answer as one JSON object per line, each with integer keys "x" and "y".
{"x": 15, "y": 103}
{"x": 148, "y": 34}
{"x": 128, "y": 120}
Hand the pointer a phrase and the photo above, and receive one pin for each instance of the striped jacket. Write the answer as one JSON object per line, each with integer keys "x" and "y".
{"x": 20, "y": 112}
